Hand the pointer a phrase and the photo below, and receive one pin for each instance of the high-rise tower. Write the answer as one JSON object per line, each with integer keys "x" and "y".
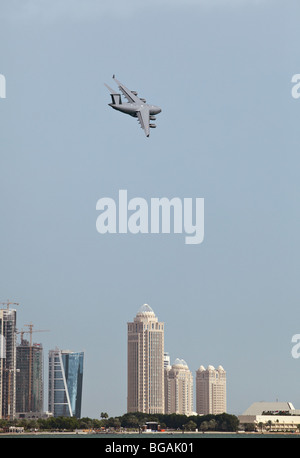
{"x": 145, "y": 376}
{"x": 29, "y": 380}
{"x": 178, "y": 388}
{"x": 210, "y": 390}
{"x": 65, "y": 383}
{"x": 8, "y": 362}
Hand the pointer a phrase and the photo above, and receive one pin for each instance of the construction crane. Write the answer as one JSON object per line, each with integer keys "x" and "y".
{"x": 8, "y": 303}
{"x": 30, "y": 331}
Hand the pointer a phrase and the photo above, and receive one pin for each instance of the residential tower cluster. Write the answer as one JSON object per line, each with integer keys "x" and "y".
{"x": 156, "y": 386}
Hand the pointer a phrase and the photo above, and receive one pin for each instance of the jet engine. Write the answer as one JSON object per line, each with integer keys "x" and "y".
{"x": 152, "y": 126}
{"x": 152, "y": 117}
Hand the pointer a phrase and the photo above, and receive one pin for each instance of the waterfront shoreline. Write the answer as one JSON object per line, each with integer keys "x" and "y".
{"x": 148, "y": 435}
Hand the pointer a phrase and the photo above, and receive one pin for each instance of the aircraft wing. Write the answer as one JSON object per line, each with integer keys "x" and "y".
{"x": 144, "y": 117}
{"x": 127, "y": 93}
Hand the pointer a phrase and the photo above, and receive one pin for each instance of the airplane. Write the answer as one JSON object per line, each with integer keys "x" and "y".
{"x": 136, "y": 107}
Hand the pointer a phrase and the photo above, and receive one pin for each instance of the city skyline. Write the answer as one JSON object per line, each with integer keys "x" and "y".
{"x": 224, "y": 75}
{"x": 201, "y": 398}
{"x": 23, "y": 381}
{"x": 154, "y": 385}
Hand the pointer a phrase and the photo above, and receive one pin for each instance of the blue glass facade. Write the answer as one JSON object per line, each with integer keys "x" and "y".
{"x": 65, "y": 383}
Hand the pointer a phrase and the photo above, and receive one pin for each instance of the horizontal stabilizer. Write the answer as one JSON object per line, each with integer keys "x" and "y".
{"x": 115, "y": 98}
{"x": 112, "y": 91}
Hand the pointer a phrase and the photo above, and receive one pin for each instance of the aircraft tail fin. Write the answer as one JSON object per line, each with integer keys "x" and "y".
{"x": 116, "y": 99}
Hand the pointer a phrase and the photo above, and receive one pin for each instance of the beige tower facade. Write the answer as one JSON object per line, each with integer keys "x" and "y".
{"x": 145, "y": 363}
{"x": 178, "y": 388}
{"x": 210, "y": 390}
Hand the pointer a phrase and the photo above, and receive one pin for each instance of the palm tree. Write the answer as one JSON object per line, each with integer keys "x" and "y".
{"x": 261, "y": 424}
{"x": 269, "y": 423}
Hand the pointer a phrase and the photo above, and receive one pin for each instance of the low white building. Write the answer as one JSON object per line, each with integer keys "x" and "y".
{"x": 271, "y": 416}
{"x": 16, "y": 429}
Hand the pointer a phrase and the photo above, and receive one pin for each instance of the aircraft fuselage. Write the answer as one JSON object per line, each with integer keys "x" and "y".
{"x": 132, "y": 108}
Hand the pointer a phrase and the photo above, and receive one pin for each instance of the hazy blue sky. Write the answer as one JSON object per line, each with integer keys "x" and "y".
{"x": 228, "y": 132}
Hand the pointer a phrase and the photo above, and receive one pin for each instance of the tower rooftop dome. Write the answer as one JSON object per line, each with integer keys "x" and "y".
{"x": 180, "y": 362}
{"x": 145, "y": 310}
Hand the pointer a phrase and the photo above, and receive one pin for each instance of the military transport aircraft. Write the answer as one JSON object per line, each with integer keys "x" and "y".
{"x": 136, "y": 107}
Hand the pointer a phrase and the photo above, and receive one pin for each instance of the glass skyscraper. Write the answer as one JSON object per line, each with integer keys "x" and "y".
{"x": 65, "y": 383}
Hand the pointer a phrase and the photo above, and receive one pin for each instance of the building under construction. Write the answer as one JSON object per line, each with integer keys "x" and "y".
{"x": 29, "y": 378}
{"x": 21, "y": 367}
{"x": 7, "y": 362}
